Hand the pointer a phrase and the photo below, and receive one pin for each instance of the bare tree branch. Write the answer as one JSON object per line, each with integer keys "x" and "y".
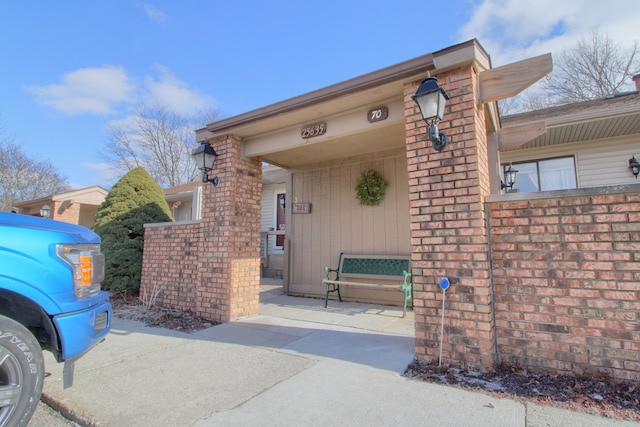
{"x": 157, "y": 139}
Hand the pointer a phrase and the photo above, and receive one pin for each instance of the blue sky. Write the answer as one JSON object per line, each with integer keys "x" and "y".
{"x": 70, "y": 67}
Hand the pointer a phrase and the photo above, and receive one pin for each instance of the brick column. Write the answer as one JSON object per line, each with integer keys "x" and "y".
{"x": 230, "y": 258}
{"x": 448, "y": 228}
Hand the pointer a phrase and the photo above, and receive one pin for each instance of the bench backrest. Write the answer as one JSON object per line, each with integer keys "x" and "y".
{"x": 374, "y": 266}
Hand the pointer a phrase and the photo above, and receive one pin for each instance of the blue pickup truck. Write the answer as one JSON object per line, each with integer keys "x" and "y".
{"x": 50, "y": 299}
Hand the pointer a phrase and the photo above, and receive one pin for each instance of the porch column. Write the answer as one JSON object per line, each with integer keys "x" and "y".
{"x": 448, "y": 229}
{"x": 230, "y": 258}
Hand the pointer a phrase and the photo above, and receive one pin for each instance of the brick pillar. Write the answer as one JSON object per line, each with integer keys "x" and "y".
{"x": 230, "y": 258}
{"x": 448, "y": 228}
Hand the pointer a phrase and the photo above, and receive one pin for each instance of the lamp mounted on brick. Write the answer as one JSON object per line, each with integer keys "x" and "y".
{"x": 431, "y": 100}
{"x": 205, "y": 157}
{"x": 45, "y": 211}
{"x": 509, "y": 177}
{"x": 634, "y": 166}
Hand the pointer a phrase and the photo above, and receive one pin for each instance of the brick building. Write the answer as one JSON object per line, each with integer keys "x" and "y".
{"x": 75, "y": 207}
{"x": 544, "y": 279}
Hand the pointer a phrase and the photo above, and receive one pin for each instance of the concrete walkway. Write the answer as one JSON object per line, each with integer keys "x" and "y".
{"x": 296, "y": 363}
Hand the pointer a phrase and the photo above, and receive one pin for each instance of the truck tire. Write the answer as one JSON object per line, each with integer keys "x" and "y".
{"x": 21, "y": 373}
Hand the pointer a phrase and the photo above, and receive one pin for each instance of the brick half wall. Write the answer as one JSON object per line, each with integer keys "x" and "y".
{"x": 566, "y": 273}
{"x": 170, "y": 264}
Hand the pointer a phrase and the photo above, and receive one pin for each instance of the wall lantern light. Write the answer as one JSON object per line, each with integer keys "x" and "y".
{"x": 634, "y": 165}
{"x": 431, "y": 100}
{"x": 283, "y": 202}
{"x": 45, "y": 211}
{"x": 205, "y": 157}
{"x": 509, "y": 177}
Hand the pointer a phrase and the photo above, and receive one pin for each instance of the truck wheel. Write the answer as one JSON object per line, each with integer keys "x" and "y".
{"x": 21, "y": 373}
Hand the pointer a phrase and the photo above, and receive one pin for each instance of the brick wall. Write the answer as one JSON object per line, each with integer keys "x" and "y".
{"x": 231, "y": 212}
{"x": 212, "y": 267}
{"x": 448, "y": 233}
{"x": 170, "y": 265}
{"x": 66, "y": 211}
{"x": 567, "y": 282}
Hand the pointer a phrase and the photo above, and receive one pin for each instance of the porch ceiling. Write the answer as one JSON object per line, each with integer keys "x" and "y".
{"x": 341, "y": 147}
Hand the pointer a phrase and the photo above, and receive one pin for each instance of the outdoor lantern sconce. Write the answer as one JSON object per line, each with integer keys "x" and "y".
{"x": 634, "y": 165}
{"x": 283, "y": 201}
{"x": 510, "y": 177}
{"x": 431, "y": 100}
{"x": 205, "y": 157}
{"x": 45, "y": 211}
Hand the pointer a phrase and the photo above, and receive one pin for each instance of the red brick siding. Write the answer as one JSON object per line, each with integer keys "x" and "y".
{"x": 66, "y": 211}
{"x": 448, "y": 233}
{"x": 230, "y": 262}
{"x": 567, "y": 283}
{"x": 170, "y": 264}
{"x": 213, "y": 267}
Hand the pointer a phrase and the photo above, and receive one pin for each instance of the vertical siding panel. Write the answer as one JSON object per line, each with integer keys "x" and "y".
{"x": 355, "y": 244}
{"x": 402, "y": 205}
{"x": 390, "y": 207}
{"x": 306, "y": 220}
{"x": 335, "y": 227}
{"x": 297, "y": 181}
{"x": 316, "y": 224}
{"x": 376, "y": 215}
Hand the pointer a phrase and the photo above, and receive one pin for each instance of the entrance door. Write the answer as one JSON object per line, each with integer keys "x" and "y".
{"x": 280, "y": 218}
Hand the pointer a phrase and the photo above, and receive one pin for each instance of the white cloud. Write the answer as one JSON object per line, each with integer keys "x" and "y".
{"x": 175, "y": 93}
{"x": 154, "y": 14}
{"x": 103, "y": 173}
{"x": 108, "y": 90}
{"x": 511, "y": 30}
{"x": 96, "y": 90}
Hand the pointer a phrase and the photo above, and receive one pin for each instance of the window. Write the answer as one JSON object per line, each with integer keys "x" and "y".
{"x": 544, "y": 175}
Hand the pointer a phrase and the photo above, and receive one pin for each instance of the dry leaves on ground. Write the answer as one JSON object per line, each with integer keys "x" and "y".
{"x": 133, "y": 309}
{"x": 596, "y": 395}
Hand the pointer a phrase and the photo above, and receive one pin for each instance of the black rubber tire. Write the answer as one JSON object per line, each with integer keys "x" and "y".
{"x": 21, "y": 373}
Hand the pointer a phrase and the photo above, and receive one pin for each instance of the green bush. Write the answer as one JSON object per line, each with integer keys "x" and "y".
{"x": 133, "y": 201}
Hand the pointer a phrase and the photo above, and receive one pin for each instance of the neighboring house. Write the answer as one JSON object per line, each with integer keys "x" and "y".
{"x": 75, "y": 207}
{"x": 582, "y": 145}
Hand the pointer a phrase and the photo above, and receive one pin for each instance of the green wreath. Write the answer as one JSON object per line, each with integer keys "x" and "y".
{"x": 370, "y": 189}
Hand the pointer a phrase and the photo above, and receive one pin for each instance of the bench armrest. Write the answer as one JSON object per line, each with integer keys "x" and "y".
{"x": 408, "y": 283}
{"x": 329, "y": 271}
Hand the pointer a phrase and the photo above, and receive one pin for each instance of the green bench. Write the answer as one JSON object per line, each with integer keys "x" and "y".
{"x": 367, "y": 269}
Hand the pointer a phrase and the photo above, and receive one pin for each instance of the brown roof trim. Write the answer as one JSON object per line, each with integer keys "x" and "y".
{"x": 386, "y": 75}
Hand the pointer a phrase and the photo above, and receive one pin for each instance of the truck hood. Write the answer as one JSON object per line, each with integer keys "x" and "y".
{"x": 75, "y": 232}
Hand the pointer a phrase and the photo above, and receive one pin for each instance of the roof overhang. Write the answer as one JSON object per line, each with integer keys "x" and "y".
{"x": 587, "y": 121}
{"x": 274, "y": 132}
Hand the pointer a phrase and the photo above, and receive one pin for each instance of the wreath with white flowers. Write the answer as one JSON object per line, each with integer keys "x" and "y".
{"x": 370, "y": 189}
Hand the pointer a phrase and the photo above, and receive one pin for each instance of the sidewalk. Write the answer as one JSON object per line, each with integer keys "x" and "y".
{"x": 296, "y": 363}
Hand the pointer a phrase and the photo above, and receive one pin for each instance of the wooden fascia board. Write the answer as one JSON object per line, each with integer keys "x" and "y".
{"x": 517, "y": 136}
{"x": 511, "y": 79}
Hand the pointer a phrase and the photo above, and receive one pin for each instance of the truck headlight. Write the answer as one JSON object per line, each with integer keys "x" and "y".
{"x": 87, "y": 264}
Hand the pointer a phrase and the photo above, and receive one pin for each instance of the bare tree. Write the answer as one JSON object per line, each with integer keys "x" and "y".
{"x": 23, "y": 177}
{"x": 594, "y": 68}
{"x": 157, "y": 139}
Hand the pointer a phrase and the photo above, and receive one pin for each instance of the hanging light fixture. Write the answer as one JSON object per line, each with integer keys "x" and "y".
{"x": 634, "y": 166}
{"x": 45, "y": 211}
{"x": 509, "y": 177}
{"x": 205, "y": 157}
{"x": 431, "y": 100}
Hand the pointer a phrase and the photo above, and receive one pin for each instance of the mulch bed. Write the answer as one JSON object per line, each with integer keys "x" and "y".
{"x": 597, "y": 395}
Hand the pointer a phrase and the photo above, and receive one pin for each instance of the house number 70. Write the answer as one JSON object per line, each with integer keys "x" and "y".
{"x": 377, "y": 114}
